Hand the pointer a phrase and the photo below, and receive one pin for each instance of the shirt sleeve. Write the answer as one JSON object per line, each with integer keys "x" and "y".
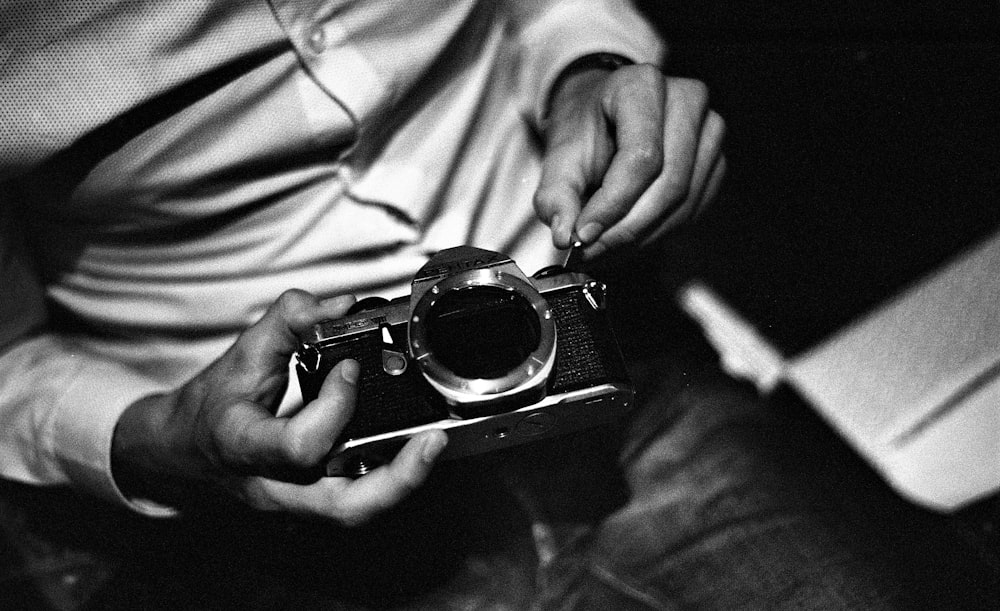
{"x": 65, "y": 72}
{"x": 59, "y": 402}
{"x": 553, "y": 35}
{"x": 58, "y": 411}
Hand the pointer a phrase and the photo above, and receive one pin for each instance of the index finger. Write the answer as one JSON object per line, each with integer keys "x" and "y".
{"x": 636, "y": 110}
{"x": 275, "y": 335}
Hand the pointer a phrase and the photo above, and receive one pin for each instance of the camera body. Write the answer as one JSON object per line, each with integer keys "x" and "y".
{"x": 478, "y": 350}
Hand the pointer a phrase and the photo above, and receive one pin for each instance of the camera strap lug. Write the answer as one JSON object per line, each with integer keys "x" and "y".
{"x": 596, "y": 294}
{"x": 309, "y": 358}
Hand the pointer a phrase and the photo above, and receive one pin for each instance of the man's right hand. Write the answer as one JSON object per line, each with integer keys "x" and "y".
{"x": 219, "y": 429}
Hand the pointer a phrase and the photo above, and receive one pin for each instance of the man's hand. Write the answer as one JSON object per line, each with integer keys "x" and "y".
{"x": 219, "y": 429}
{"x": 630, "y": 154}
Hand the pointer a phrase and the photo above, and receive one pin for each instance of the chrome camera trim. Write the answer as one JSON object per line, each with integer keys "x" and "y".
{"x": 533, "y": 371}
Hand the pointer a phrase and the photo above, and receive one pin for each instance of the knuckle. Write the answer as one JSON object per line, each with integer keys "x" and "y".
{"x": 230, "y": 445}
{"x": 675, "y": 188}
{"x": 646, "y": 159}
{"x": 610, "y": 211}
{"x": 298, "y": 451}
{"x": 546, "y": 202}
{"x": 255, "y": 493}
{"x": 293, "y": 306}
{"x": 695, "y": 89}
{"x": 290, "y": 298}
{"x": 290, "y": 301}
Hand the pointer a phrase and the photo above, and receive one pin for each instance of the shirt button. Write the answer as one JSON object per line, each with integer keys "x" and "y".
{"x": 344, "y": 173}
{"x": 317, "y": 39}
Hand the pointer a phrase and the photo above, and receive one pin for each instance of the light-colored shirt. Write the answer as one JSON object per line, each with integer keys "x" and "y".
{"x": 168, "y": 168}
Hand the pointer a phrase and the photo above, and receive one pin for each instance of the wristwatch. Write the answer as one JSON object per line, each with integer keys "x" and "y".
{"x": 606, "y": 61}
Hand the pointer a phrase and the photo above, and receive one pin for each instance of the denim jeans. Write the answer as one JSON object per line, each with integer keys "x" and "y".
{"x": 729, "y": 506}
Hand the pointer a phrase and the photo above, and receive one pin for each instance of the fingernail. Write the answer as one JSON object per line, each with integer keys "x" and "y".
{"x": 433, "y": 445}
{"x": 337, "y": 301}
{"x": 350, "y": 370}
{"x": 590, "y": 232}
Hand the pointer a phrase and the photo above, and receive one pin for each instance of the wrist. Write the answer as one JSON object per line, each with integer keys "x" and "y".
{"x": 144, "y": 459}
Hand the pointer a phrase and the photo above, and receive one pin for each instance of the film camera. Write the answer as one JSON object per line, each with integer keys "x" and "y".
{"x": 479, "y": 350}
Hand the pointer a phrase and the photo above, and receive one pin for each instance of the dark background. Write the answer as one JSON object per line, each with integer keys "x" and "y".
{"x": 863, "y": 140}
{"x": 864, "y": 152}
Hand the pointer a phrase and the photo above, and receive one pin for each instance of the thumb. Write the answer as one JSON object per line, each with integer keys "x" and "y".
{"x": 249, "y": 438}
{"x": 560, "y": 193}
{"x": 578, "y": 154}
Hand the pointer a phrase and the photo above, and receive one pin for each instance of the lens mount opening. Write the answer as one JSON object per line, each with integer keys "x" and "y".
{"x": 483, "y": 334}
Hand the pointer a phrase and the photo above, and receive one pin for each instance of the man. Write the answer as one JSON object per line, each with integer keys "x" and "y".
{"x": 189, "y": 143}
{"x": 186, "y": 187}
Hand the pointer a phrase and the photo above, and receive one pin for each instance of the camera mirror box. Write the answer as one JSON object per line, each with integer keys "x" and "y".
{"x": 913, "y": 385}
